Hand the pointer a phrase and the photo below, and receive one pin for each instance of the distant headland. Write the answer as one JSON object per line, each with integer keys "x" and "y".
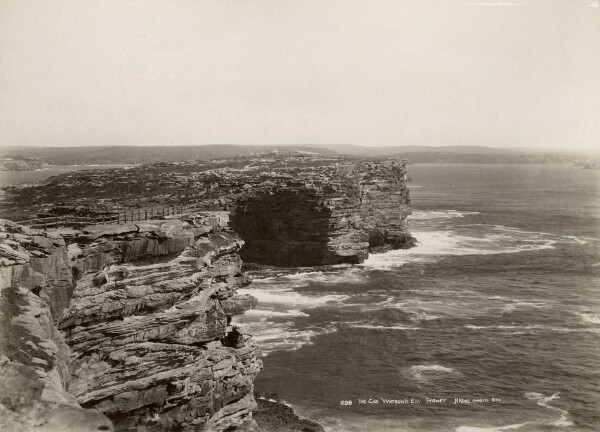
{"x": 134, "y": 155}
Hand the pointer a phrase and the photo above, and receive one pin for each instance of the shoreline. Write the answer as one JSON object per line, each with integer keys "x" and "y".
{"x": 274, "y": 416}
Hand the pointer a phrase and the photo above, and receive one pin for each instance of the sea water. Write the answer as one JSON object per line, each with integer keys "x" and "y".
{"x": 491, "y": 323}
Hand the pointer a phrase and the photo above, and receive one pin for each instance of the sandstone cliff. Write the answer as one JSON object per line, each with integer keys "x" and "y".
{"x": 334, "y": 214}
{"x": 290, "y": 209}
{"x": 132, "y": 321}
{"x": 35, "y": 282}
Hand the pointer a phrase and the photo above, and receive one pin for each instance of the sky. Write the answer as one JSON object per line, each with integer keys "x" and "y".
{"x": 503, "y": 73}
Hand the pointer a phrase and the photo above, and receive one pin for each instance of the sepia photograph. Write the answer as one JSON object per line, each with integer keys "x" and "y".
{"x": 300, "y": 216}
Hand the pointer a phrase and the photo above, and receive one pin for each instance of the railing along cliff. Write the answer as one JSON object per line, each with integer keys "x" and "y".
{"x": 115, "y": 218}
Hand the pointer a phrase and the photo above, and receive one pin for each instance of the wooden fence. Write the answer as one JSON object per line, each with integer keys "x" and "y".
{"x": 122, "y": 217}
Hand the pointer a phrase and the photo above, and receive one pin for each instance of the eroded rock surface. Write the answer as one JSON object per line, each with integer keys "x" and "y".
{"x": 327, "y": 215}
{"x": 131, "y": 321}
{"x": 291, "y": 209}
{"x": 35, "y": 283}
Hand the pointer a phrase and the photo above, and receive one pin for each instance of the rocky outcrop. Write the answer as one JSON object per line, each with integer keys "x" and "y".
{"x": 335, "y": 215}
{"x": 138, "y": 320}
{"x": 133, "y": 322}
{"x": 273, "y": 416}
{"x": 290, "y": 209}
{"x": 35, "y": 282}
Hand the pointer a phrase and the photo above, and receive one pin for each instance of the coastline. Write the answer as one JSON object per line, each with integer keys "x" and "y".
{"x": 273, "y": 416}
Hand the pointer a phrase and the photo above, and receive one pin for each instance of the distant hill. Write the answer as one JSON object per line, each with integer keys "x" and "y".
{"x": 17, "y": 163}
{"x": 357, "y": 150}
{"x": 131, "y": 155}
{"x": 106, "y": 155}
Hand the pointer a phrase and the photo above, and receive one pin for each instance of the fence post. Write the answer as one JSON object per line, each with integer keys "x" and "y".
{"x": 125, "y": 214}
{"x": 163, "y": 212}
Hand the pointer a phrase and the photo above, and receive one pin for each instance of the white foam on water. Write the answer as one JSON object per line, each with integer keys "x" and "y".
{"x": 578, "y": 240}
{"x": 275, "y": 401}
{"x": 267, "y": 313}
{"x": 288, "y": 297}
{"x": 427, "y": 310}
{"x": 516, "y": 304}
{"x": 589, "y": 318}
{"x": 426, "y": 372}
{"x": 539, "y": 304}
{"x": 443, "y": 292}
{"x": 382, "y": 327}
{"x": 279, "y": 336}
{"x": 424, "y": 316}
{"x": 558, "y": 237}
{"x": 520, "y": 328}
{"x": 490, "y": 429}
{"x": 340, "y": 274}
{"x": 349, "y": 275}
{"x": 434, "y": 244}
{"x": 272, "y": 325}
{"x": 436, "y": 368}
{"x": 545, "y": 402}
{"x": 439, "y": 214}
{"x": 432, "y": 304}
{"x": 541, "y": 400}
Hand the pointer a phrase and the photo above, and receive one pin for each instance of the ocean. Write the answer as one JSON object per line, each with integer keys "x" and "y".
{"x": 491, "y": 323}
{"x": 8, "y": 178}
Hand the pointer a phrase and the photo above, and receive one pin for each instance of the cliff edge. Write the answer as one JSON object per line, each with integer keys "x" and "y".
{"x": 291, "y": 209}
{"x": 132, "y": 322}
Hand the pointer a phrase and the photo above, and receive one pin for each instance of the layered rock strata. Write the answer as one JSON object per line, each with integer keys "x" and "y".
{"x": 35, "y": 283}
{"x": 290, "y": 209}
{"x": 335, "y": 217}
{"x": 141, "y": 315}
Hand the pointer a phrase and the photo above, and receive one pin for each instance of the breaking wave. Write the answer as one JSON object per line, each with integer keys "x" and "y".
{"x": 273, "y": 322}
{"x": 590, "y": 318}
{"x": 544, "y": 401}
{"x": 272, "y": 336}
{"x": 380, "y": 327}
{"x": 287, "y": 299}
{"x": 439, "y": 214}
{"x": 302, "y": 277}
{"x": 266, "y": 313}
{"x": 427, "y": 372}
{"x": 463, "y": 241}
{"x": 525, "y": 328}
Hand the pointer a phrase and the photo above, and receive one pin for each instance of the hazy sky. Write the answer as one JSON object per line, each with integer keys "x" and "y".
{"x": 484, "y": 72}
